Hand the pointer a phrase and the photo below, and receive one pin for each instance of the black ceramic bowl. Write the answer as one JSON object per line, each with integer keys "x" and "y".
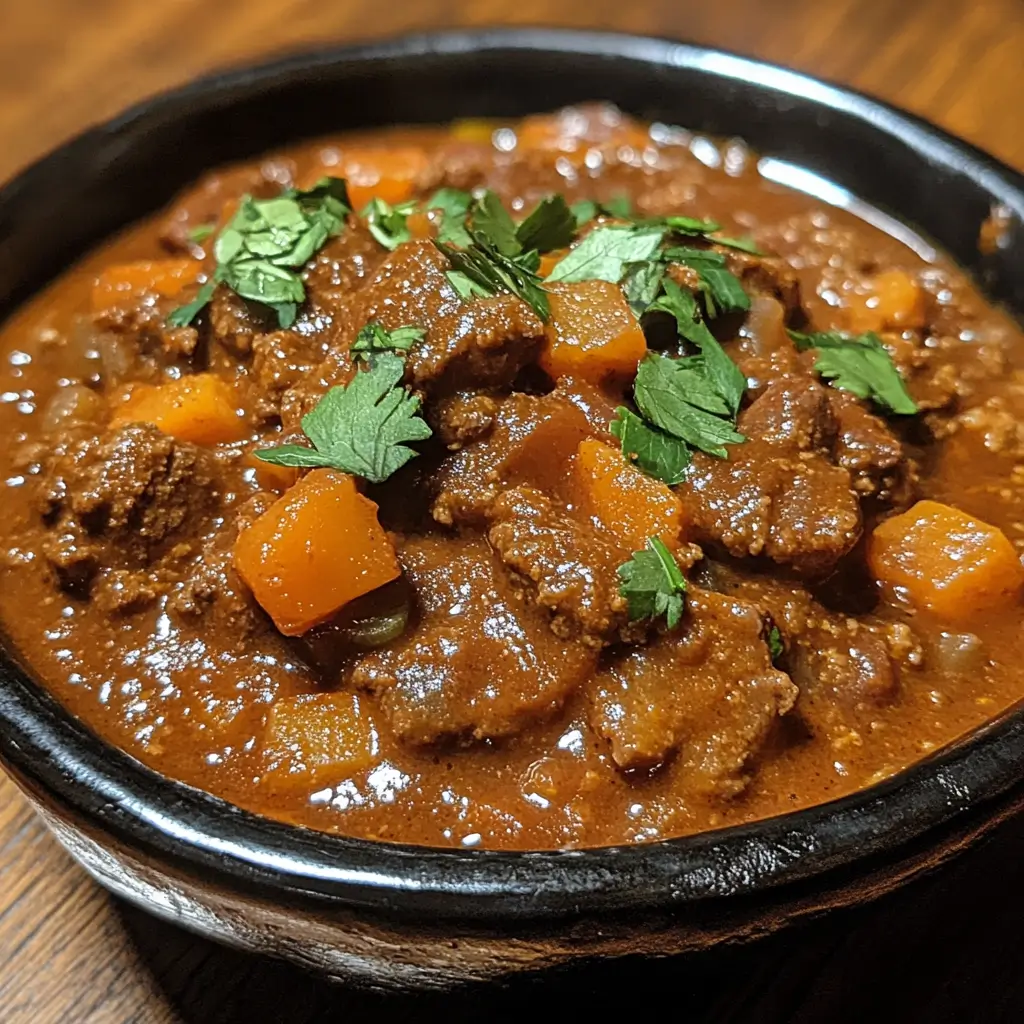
{"x": 399, "y": 915}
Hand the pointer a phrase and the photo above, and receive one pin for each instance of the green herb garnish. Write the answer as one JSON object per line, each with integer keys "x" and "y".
{"x": 721, "y": 289}
{"x": 480, "y": 270}
{"x": 745, "y": 244}
{"x": 861, "y": 365}
{"x": 691, "y": 225}
{"x": 373, "y": 338}
{"x": 653, "y": 584}
{"x": 653, "y": 451}
{"x": 679, "y": 397}
{"x": 605, "y": 253}
{"x": 641, "y": 285}
{"x": 388, "y": 224}
{"x": 726, "y": 376}
{"x": 454, "y": 205}
{"x": 776, "y": 648}
{"x": 361, "y": 427}
{"x": 550, "y": 225}
{"x": 201, "y": 232}
{"x": 266, "y": 242}
{"x": 494, "y": 223}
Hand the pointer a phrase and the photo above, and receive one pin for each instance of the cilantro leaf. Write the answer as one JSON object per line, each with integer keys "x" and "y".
{"x": 722, "y": 290}
{"x": 373, "y": 338}
{"x": 454, "y": 204}
{"x": 642, "y": 284}
{"x": 604, "y": 254}
{"x": 744, "y": 244}
{"x": 494, "y": 224}
{"x": 726, "y": 376}
{"x": 860, "y": 365}
{"x": 618, "y": 206}
{"x": 550, "y": 225}
{"x": 658, "y": 455}
{"x": 184, "y": 315}
{"x": 481, "y": 269}
{"x": 201, "y": 232}
{"x": 260, "y": 250}
{"x": 652, "y": 584}
{"x": 691, "y": 225}
{"x": 387, "y": 223}
{"x": 360, "y": 427}
{"x": 776, "y": 648}
{"x": 584, "y": 211}
{"x": 677, "y": 396}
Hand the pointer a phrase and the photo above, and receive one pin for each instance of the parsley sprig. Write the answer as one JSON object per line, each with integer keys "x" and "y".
{"x": 387, "y": 223}
{"x": 361, "y": 427}
{"x": 496, "y": 255}
{"x": 653, "y": 584}
{"x": 266, "y": 243}
{"x": 861, "y": 365}
{"x": 373, "y": 338}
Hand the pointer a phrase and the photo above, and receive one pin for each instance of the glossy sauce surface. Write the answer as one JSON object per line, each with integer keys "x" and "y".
{"x": 191, "y": 693}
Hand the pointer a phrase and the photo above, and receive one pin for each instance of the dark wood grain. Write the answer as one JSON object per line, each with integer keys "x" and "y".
{"x": 943, "y": 950}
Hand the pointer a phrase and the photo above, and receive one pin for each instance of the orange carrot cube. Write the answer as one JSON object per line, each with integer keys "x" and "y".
{"x": 592, "y": 333}
{"x": 946, "y": 561}
{"x": 315, "y": 550}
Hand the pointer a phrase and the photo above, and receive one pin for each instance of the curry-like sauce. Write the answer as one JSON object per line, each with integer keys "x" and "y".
{"x": 501, "y": 691}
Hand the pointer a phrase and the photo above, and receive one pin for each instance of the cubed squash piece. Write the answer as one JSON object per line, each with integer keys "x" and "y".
{"x": 318, "y": 738}
{"x": 946, "y": 561}
{"x": 314, "y": 550}
{"x": 374, "y": 172}
{"x": 269, "y": 476}
{"x": 625, "y": 501}
{"x": 893, "y": 300}
{"x": 200, "y": 408}
{"x": 125, "y": 283}
{"x": 592, "y": 333}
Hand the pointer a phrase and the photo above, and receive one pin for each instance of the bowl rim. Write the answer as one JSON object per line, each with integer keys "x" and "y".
{"x": 59, "y": 760}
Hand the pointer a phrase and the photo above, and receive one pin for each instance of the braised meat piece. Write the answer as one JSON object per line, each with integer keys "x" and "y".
{"x": 778, "y": 494}
{"x": 481, "y": 663}
{"x": 707, "y": 694}
{"x": 121, "y": 504}
{"x": 567, "y": 565}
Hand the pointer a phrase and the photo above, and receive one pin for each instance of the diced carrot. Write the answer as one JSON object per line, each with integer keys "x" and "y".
{"x": 314, "y": 737}
{"x": 550, "y": 260}
{"x": 592, "y": 333}
{"x": 314, "y": 550}
{"x": 626, "y": 502}
{"x": 946, "y": 561}
{"x": 127, "y": 282}
{"x": 200, "y": 408}
{"x": 574, "y": 130}
{"x": 473, "y": 129}
{"x": 893, "y": 300}
{"x": 420, "y": 224}
{"x": 374, "y": 172}
{"x": 271, "y": 477}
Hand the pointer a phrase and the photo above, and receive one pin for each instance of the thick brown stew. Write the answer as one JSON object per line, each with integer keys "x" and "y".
{"x": 560, "y": 483}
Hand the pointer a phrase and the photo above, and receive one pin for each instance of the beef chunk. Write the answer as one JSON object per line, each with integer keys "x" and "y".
{"x": 279, "y": 361}
{"x": 766, "y": 276}
{"x": 144, "y": 325}
{"x": 568, "y": 566}
{"x": 121, "y": 504}
{"x": 210, "y": 590}
{"x": 708, "y": 692}
{"x": 464, "y": 417}
{"x": 845, "y": 660}
{"x": 778, "y": 494}
{"x": 235, "y": 321}
{"x": 341, "y": 267}
{"x": 532, "y": 440}
{"x": 478, "y": 345}
{"x": 481, "y": 664}
{"x": 872, "y": 454}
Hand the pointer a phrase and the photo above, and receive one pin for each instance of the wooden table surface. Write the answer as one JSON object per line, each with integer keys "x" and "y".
{"x": 945, "y": 949}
